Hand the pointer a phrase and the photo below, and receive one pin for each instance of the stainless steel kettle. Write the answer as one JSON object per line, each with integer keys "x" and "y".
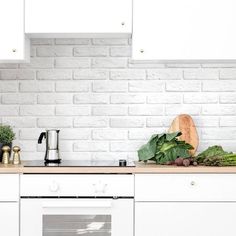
{"x": 52, "y": 145}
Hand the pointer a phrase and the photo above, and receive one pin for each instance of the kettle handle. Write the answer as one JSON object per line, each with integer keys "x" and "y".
{"x": 41, "y": 136}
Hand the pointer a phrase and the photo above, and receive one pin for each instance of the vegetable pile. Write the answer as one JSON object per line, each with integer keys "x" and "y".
{"x": 164, "y": 149}
{"x": 216, "y": 156}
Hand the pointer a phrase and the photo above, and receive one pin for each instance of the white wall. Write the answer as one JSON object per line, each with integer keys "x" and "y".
{"x": 106, "y": 105}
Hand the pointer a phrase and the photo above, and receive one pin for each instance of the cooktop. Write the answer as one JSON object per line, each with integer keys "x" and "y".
{"x": 81, "y": 163}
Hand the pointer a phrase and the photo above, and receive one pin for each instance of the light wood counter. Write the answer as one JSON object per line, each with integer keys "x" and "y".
{"x": 139, "y": 169}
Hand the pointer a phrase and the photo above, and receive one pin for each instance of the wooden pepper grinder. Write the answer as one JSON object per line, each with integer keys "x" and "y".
{"x": 16, "y": 155}
{"x": 6, "y": 154}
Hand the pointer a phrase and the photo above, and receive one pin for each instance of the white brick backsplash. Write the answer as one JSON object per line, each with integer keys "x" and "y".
{"x": 9, "y": 110}
{"x": 182, "y": 109}
{"x": 91, "y": 51}
{"x": 220, "y": 134}
{"x": 110, "y": 41}
{"x": 91, "y": 122}
{"x": 71, "y": 62}
{"x": 95, "y": 74}
{"x": 127, "y": 122}
{"x": 106, "y": 104}
{"x": 130, "y": 146}
{"x": 36, "y": 86}
{"x": 37, "y": 62}
{"x": 128, "y": 74}
{"x": 20, "y": 122}
{"x": 109, "y": 134}
{"x": 200, "y": 98}
{"x": 84, "y": 98}
{"x": 165, "y": 74}
{"x": 110, "y": 86}
{"x": 128, "y": 98}
{"x": 164, "y": 98}
{"x": 147, "y": 86}
{"x": 227, "y": 121}
{"x": 55, "y": 122}
{"x": 228, "y": 73}
{"x": 17, "y": 74}
{"x": 72, "y": 41}
{"x": 55, "y": 98}
{"x": 56, "y": 51}
{"x": 120, "y": 51}
{"x": 228, "y": 98}
{"x": 146, "y": 110}
{"x": 17, "y": 98}
{"x": 219, "y": 109}
{"x": 8, "y": 86}
{"x": 92, "y": 146}
{"x": 40, "y": 110}
{"x": 219, "y": 86}
{"x": 72, "y": 86}
{"x": 201, "y": 74}
{"x": 109, "y": 63}
{"x": 109, "y": 110}
{"x": 66, "y": 110}
{"x": 54, "y": 74}
{"x": 183, "y": 86}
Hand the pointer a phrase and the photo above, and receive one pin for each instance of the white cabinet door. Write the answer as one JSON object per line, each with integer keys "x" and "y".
{"x": 184, "y": 30}
{"x": 13, "y": 45}
{"x": 9, "y": 219}
{"x": 185, "y": 219}
{"x": 78, "y": 16}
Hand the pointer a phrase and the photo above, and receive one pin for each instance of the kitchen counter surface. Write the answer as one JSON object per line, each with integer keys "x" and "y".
{"x": 139, "y": 169}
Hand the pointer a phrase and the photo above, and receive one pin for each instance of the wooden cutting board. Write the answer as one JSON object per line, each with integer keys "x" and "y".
{"x": 185, "y": 124}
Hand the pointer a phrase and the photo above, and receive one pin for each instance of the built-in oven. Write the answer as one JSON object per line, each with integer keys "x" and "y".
{"x": 72, "y": 205}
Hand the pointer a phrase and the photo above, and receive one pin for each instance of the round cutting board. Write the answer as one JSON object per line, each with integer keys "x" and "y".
{"x": 185, "y": 124}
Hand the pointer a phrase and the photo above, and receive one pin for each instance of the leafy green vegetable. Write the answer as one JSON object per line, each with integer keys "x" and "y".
{"x": 216, "y": 156}
{"x": 164, "y": 148}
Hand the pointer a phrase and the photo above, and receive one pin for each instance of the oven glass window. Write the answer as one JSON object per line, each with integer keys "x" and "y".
{"x": 75, "y": 225}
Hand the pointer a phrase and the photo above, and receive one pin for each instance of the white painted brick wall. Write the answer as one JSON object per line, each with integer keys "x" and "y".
{"x": 106, "y": 104}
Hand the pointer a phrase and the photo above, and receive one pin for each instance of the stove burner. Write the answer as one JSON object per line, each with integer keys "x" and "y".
{"x": 81, "y": 163}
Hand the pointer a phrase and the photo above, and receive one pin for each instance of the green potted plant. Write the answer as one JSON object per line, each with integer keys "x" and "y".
{"x": 6, "y": 137}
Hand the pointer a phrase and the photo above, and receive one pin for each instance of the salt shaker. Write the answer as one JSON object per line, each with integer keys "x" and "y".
{"x": 16, "y": 155}
{"x": 6, "y": 154}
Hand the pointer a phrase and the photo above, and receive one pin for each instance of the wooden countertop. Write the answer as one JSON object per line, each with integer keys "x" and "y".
{"x": 139, "y": 169}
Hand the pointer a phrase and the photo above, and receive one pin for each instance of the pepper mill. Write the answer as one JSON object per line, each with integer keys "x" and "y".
{"x": 6, "y": 154}
{"x": 16, "y": 155}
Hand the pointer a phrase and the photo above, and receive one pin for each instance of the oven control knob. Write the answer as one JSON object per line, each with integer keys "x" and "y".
{"x": 54, "y": 187}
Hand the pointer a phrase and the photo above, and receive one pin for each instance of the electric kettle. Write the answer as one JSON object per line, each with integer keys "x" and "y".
{"x": 52, "y": 145}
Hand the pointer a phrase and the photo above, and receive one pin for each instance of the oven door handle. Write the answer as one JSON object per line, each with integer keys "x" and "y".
{"x": 79, "y": 204}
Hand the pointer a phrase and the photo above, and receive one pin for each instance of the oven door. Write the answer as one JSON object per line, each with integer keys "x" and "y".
{"x": 73, "y": 217}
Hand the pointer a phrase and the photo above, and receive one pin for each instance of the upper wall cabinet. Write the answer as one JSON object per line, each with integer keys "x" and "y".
{"x": 184, "y": 30}
{"x": 46, "y": 18}
{"x": 14, "y": 47}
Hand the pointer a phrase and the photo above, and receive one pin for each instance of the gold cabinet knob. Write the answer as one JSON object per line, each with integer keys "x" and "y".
{"x": 141, "y": 50}
{"x": 123, "y": 23}
{"x": 13, "y": 50}
{"x": 193, "y": 183}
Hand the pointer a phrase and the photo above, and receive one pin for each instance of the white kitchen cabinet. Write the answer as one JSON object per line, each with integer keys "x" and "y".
{"x": 68, "y": 18}
{"x": 185, "y": 204}
{"x": 9, "y": 218}
{"x": 14, "y": 46}
{"x": 184, "y": 30}
{"x": 9, "y": 204}
{"x": 185, "y": 218}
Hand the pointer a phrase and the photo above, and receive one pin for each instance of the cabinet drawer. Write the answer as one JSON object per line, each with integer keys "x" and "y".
{"x": 185, "y": 187}
{"x": 77, "y": 185}
{"x": 9, "y": 187}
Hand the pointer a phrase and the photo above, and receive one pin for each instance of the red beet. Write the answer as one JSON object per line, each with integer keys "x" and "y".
{"x": 179, "y": 161}
{"x": 186, "y": 162}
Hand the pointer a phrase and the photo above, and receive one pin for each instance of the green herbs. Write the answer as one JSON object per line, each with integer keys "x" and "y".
{"x": 216, "y": 156}
{"x": 164, "y": 148}
{"x": 6, "y": 134}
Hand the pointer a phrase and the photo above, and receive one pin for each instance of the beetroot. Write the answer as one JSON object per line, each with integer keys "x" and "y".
{"x": 179, "y": 161}
{"x": 186, "y": 162}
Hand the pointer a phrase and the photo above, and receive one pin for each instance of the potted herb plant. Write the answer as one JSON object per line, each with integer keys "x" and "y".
{"x": 6, "y": 137}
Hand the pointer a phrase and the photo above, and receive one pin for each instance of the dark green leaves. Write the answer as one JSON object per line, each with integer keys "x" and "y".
{"x": 164, "y": 148}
